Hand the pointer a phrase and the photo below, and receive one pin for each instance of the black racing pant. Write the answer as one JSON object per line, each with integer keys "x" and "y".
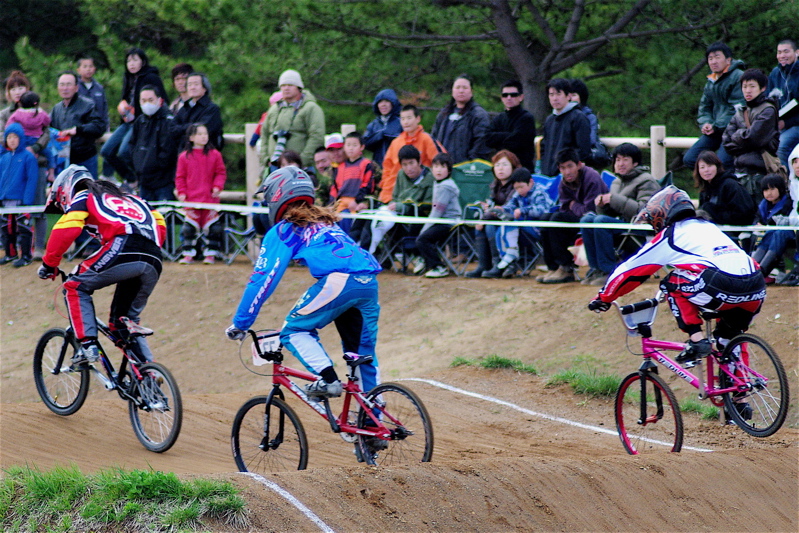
{"x": 133, "y": 263}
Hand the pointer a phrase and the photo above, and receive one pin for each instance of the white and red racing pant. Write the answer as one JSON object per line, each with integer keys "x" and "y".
{"x": 737, "y": 299}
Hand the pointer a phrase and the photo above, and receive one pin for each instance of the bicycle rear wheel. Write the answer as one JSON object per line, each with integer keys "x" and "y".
{"x": 156, "y": 413}
{"x": 404, "y": 414}
{"x": 760, "y": 410}
{"x": 264, "y": 444}
{"x": 62, "y": 389}
{"x": 660, "y": 427}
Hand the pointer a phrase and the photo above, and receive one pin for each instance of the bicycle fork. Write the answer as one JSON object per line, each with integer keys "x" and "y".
{"x": 643, "y": 418}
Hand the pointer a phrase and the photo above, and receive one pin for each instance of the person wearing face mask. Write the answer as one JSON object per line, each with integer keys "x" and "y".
{"x": 153, "y": 147}
{"x": 116, "y": 151}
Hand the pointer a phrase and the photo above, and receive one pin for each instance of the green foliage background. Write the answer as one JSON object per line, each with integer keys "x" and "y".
{"x": 244, "y": 46}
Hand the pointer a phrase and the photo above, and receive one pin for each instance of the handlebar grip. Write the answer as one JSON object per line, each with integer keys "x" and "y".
{"x": 638, "y": 306}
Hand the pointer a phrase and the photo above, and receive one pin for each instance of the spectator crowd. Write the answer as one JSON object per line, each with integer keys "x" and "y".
{"x": 745, "y": 164}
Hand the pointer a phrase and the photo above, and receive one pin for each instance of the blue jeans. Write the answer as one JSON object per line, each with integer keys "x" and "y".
{"x": 789, "y": 138}
{"x": 349, "y": 300}
{"x": 159, "y": 194}
{"x": 708, "y": 142}
{"x": 598, "y": 242}
{"x": 90, "y": 164}
{"x": 116, "y": 153}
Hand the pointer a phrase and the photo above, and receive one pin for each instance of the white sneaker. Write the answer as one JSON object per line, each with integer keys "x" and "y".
{"x": 321, "y": 389}
{"x": 419, "y": 266}
{"x": 438, "y": 272}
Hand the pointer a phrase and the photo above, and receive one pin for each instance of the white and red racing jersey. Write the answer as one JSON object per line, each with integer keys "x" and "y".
{"x": 105, "y": 216}
{"x": 690, "y": 246}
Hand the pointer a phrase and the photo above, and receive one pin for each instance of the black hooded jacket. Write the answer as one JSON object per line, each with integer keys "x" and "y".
{"x": 132, "y": 85}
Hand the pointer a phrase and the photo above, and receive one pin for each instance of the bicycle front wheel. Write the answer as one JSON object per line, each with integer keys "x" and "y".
{"x": 648, "y": 417}
{"x": 156, "y": 412}
{"x": 405, "y": 416}
{"x": 761, "y": 409}
{"x": 62, "y": 388}
{"x": 268, "y": 439}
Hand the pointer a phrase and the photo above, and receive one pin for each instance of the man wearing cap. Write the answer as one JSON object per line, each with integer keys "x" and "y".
{"x": 334, "y": 144}
{"x": 296, "y": 121}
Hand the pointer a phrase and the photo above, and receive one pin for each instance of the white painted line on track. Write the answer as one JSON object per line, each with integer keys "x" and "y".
{"x": 540, "y": 415}
{"x": 294, "y": 501}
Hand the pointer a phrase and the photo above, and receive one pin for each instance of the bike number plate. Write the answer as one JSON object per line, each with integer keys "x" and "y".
{"x": 268, "y": 344}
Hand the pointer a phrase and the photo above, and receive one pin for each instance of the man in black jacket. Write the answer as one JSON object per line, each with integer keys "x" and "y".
{"x": 199, "y": 109}
{"x": 514, "y": 129}
{"x": 566, "y": 127}
{"x": 77, "y": 117}
{"x": 153, "y": 148}
{"x": 461, "y": 125}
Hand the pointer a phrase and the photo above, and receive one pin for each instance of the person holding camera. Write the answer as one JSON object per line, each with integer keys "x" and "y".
{"x": 295, "y": 122}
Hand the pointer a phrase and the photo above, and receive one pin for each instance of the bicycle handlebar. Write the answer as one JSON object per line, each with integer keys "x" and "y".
{"x": 254, "y": 336}
{"x": 638, "y": 306}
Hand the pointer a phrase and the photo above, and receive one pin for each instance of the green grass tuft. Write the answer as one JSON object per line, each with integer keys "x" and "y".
{"x": 707, "y": 411}
{"x": 64, "y": 500}
{"x": 588, "y": 382}
{"x": 495, "y": 361}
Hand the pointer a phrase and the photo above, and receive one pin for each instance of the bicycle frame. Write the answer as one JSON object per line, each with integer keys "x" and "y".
{"x": 653, "y": 349}
{"x": 282, "y": 375}
{"x": 110, "y": 379}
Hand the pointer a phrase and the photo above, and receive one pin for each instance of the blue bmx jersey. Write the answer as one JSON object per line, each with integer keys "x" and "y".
{"x": 323, "y": 249}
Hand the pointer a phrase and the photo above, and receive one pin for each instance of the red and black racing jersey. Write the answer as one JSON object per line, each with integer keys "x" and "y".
{"x": 105, "y": 216}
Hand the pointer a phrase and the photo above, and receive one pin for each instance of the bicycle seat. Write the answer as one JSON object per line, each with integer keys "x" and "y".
{"x": 134, "y": 328}
{"x": 709, "y": 314}
{"x": 353, "y": 359}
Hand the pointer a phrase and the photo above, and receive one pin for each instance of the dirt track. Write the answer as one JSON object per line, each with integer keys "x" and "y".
{"x": 494, "y": 469}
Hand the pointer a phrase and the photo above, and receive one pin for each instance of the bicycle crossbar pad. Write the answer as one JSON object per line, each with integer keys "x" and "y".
{"x": 638, "y": 306}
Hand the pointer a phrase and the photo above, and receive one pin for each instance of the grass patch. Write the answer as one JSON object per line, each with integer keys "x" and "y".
{"x": 495, "y": 361}
{"x": 64, "y": 499}
{"x": 707, "y": 411}
{"x": 587, "y": 381}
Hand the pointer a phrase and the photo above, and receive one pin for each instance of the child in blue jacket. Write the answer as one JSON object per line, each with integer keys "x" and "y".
{"x": 345, "y": 291}
{"x": 19, "y": 174}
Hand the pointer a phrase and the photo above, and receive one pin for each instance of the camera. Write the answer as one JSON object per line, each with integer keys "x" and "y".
{"x": 281, "y": 137}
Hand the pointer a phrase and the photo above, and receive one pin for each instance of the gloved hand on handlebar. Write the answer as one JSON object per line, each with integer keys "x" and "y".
{"x": 598, "y": 306}
{"x": 235, "y": 334}
{"x": 47, "y": 272}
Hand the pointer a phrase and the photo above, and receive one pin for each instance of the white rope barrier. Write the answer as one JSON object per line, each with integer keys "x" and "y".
{"x": 388, "y": 217}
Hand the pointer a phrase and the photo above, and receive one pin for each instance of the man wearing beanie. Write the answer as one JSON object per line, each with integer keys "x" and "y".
{"x": 297, "y": 114}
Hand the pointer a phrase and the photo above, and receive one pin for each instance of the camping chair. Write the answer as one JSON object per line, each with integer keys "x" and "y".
{"x": 460, "y": 242}
{"x": 174, "y": 219}
{"x": 607, "y": 177}
{"x": 474, "y": 180}
{"x": 550, "y": 185}
{"x": 398, "y": 244}
{"x": 238, "y": 237}
{"x": 530, "y": 251}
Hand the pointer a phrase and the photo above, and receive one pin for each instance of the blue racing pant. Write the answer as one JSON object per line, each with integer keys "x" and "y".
{"x": 349, "y": 300}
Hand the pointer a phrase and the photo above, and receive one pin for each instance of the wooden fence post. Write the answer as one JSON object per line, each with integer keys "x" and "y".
{"x": 657, "y": 150}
